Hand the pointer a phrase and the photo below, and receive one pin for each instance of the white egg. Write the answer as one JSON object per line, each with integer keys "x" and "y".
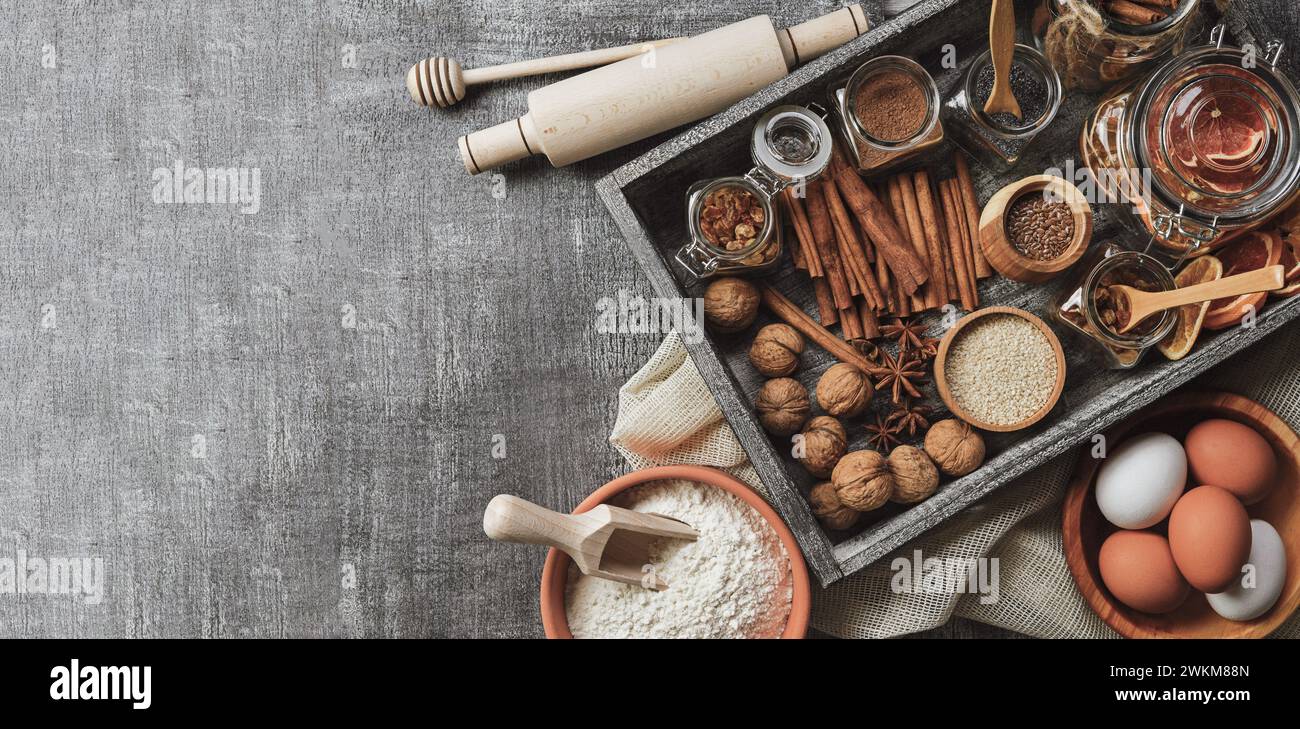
{"x": 1140, "y": 482}
{"x": 1262, "y": 577}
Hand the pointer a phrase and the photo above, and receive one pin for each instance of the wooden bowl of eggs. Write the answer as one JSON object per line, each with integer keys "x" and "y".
{"x": 1185, "y": 521}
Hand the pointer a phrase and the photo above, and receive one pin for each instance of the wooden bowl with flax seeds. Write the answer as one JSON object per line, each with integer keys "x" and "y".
{"x": 1000, "y": 369}
{"x": 1034, "y": 228}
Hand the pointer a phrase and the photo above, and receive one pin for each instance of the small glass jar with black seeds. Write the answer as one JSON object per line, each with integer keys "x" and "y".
{"x": 1001, "y": 139}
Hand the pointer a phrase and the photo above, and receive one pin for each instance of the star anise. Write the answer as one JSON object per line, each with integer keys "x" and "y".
{"x": 910, "y": 416}
{"x": 882, "y": 435}
{"x": 910, "y": 335}
{"x": 928, "y": 348}
{"x": 902, "y": 375}
{"x": 866, "y": 348}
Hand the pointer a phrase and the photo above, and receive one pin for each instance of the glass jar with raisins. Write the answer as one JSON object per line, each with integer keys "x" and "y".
{"x": 1090, "y": 311}
{"x": 733, "y": 221}
{"x": 1202, "y": 150}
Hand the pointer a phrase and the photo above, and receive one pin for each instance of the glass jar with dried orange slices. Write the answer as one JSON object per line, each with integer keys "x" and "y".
{"x": 1203, "y": 149}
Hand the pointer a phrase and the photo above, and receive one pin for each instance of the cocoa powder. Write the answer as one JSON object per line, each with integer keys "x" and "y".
{"x": 890, "y": 106}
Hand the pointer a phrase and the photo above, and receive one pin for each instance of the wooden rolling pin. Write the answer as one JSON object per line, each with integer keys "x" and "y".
{"x": 618, "y": 104}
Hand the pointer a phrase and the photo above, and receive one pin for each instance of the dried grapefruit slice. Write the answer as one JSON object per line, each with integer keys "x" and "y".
{"x": 1255, "y": 249}
{"x": 1229, "y": 130}
{"x": 1179, "y": 341}
{"x": 1291, "y": 261}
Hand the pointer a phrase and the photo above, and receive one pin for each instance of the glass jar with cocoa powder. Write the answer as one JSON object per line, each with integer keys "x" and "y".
{"x": 733, "y": 221}
{"x": 888, "y": 112}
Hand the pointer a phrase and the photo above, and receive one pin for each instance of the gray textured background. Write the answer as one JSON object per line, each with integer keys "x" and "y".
{"x": 347, "y": 354}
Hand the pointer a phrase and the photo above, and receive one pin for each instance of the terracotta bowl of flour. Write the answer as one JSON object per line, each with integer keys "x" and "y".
{"x": 555, "y": 573}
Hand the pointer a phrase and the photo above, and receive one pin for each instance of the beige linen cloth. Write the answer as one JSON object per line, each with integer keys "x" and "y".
{"x": 667, "y": 416}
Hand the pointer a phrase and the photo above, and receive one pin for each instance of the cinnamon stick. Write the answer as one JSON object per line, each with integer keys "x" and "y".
{"x": 971, "y": 200}
{"x": 850, "y": 324}
{"x": 870, "y": 323}
{"x": 823, "y": 234}
{"x": 825, "y": 304}
{"x": 851, "y": 250}
{"x": 804, "y": 232}
{"x": 795, "y": 243}
{"x": 933, "y": 237}
{"x": 1134, "y": 14}
{"x": 785, "y": 310}
{"x": 1167, "y": 5}
{"x": 955, "y": 246}
{"x": 911, "y": 301}
{"x": 928, "y": 294}
{"x": 890, "y": 242}
{"x": 968, "y": 243}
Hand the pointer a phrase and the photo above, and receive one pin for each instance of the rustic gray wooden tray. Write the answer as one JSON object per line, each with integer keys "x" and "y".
{"x": 647, "y": 199}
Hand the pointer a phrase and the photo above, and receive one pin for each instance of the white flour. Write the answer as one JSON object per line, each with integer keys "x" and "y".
{"x": 733, "y": 582}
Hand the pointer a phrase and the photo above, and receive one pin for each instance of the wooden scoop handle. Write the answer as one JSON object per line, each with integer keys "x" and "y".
{"x": 512, "y": 519}
{"x": 1268, "y": 278}
{"x": 1002, "y": 47}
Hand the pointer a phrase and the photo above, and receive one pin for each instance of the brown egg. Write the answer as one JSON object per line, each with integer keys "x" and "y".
{"x": 1209, "y": 534}
{"x": 1138, "y": 569}
{"x": 1232, "y": 456}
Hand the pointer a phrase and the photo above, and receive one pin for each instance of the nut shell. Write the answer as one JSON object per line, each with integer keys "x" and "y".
{"x": 915, "y": 476}
{"x": 844, "y": 390}
{"x": 957, "y": 449}
{"x": 782, "y": 406}
{"x": 824, "y": 443}
{"x": 862, "y": 480}
{"x": 775, "y": 351}
{"x": 827, "y": 508}
{"x": 730, "y": 304}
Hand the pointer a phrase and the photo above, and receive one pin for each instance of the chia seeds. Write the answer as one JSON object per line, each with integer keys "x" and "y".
{"x": 1030, "y": 91}
{"x": 1039, "y": 229}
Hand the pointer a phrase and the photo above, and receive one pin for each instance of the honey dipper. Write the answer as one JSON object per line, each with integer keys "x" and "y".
{"x": 440, "y": 81}
{"x": 606, "y": 542}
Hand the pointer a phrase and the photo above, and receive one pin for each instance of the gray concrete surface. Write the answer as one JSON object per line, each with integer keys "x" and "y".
{"x": 282, "y": 422}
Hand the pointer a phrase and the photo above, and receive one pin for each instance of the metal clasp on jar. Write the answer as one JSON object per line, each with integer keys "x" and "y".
{"x": 1165, "y": 225}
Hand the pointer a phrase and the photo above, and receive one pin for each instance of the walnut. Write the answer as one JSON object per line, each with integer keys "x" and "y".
{"x": 775, "y": 351}
{"x": 730, "y": 304}
{"x": 827, "y": 508}
{"x": 955, "y": 447}
{"x": 824, "y": 441}
{"x": 844, "y": 390}
{"x": 862, "y": 480}
{"x": 915, "y": 477}
{"x": 782, "y": 406}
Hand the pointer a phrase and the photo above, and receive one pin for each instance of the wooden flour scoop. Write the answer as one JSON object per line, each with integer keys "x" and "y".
{"x": 606, "y": 542}
{"x": 1142, "y": 304}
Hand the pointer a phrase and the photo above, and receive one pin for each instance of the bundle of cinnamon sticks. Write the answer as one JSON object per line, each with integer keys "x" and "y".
{"x": 906, "y": 247}
{"x": 1139, "y": 12}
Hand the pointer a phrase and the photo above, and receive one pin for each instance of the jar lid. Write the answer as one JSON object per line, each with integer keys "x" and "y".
{"x": 790, "y": 143}
{"x": 1216, "y": 128}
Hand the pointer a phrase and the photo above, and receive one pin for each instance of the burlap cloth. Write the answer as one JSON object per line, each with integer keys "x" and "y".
{"x": 667, "y": 416}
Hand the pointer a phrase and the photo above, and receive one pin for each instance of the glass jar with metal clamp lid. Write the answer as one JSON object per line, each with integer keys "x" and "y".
{"x": 1203, "y": 149}
{"x": 733, "y": 221}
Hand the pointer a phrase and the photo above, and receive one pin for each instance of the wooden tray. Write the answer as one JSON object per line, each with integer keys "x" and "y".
{"x": 647, "y": 199}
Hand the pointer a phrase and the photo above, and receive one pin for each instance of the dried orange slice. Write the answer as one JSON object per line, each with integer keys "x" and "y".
{"x": 1179, "y": 341}
{"x": 1253, "y": 250}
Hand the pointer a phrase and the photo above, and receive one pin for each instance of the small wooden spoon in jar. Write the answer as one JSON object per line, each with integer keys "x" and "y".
{"x": 1002, "y": 48}
{"x": 1139, "y": 305}
{"x": 606, "y": 542}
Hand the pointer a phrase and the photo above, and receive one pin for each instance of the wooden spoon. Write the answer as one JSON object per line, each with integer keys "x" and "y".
{"x": 606, "y": 542}
{"x": 1002, "y": 45}
{"x": 1142, "y": 304}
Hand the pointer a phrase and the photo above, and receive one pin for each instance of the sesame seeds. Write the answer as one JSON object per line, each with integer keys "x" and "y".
{"x": 1001, "y": 369}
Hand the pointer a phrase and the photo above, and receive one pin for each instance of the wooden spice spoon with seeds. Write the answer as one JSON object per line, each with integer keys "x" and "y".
{"x": 1002, "y": 48}
{"x": 606, "y": 542}
{"x": 1134, "y": 305}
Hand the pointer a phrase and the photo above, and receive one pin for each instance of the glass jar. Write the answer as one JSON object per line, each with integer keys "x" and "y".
{"x": 876, "y": 152}
{"x": 1203, "y": 149}
{"x": 1091, "y": 50}
{"x": 790, "y": 145}
{"x": 1084, "y": 309}
{"x": 1001, "y": 139}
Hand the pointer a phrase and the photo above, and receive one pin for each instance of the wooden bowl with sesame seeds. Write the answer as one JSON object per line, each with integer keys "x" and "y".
{"x": 1000, "y": 369}
{"x": 1009, "y": 260}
